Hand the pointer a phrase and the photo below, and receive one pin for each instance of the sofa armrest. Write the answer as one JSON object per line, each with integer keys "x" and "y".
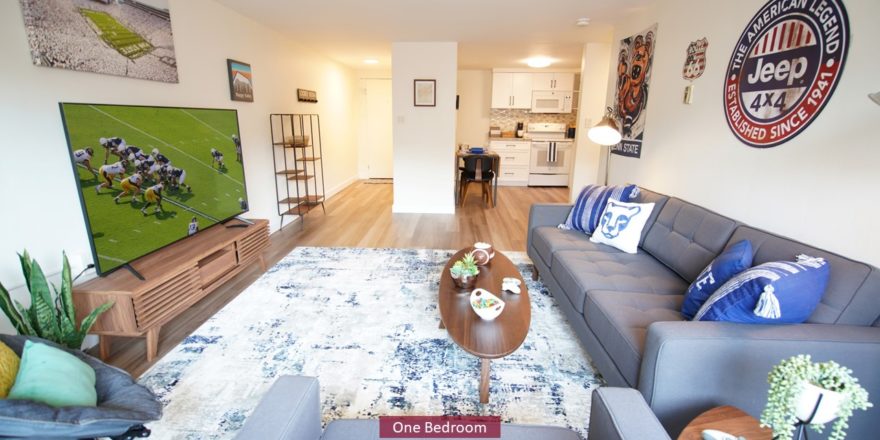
{"x": 546, "y": 214}
{"x": 622, "y": 414}
{"x": 689, "y": 367}
{"x": 290, "y": 410}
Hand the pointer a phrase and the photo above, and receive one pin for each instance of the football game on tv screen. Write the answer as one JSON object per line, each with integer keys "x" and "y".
{"x": 150, "y": 176}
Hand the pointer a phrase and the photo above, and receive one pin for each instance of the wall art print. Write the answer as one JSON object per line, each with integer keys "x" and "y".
{"x": 128, "y": 38}
{"x": 695, "y": 62}
{"x": 633, "y": 78}
{"x": 784, "y": 69}
{"x": 241, "y": 81}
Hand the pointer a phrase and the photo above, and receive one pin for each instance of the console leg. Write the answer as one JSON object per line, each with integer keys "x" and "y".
{"x": 104, "y": 347}
{"x": 484, "y": 380}
{"x": 152, "y": 343}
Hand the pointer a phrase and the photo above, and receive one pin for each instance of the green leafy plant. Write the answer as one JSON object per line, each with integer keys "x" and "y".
{"x": 787, "y": 380}
{"x": 50, "y": 316}
{"x": 467, "y": 266}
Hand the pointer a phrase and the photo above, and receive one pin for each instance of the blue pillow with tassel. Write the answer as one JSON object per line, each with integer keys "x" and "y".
{"x": 780, "y": 292}
{"x": 587, "y": 209}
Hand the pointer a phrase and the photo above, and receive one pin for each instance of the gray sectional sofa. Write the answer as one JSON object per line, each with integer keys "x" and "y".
{"x": 291, "y": 410}
{"x": 625, "y": 309}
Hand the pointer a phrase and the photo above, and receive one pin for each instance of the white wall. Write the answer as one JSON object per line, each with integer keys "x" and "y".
{"x": 475, "y": 100}
{"x": 819, "y": 188}
{"x": 589, "y": 164}
{"x": 39, "y": 192}
{"x": 424, "y": 137}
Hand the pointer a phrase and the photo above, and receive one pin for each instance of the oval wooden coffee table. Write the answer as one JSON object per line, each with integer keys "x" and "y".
{"x": 485, "y": 339}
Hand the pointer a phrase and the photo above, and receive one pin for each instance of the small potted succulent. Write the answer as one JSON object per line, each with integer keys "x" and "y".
{"x": 464, "y": 272}
{"x": 809, "y": 393}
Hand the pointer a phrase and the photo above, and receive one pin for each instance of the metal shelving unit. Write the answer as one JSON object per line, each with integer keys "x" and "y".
{"x": 299, "y": 170}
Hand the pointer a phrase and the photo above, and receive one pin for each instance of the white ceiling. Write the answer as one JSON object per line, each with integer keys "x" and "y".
{"x": 490, "y": 33}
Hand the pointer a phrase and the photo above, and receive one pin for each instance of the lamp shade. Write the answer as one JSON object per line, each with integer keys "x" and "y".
{"x": 606, "y": 132}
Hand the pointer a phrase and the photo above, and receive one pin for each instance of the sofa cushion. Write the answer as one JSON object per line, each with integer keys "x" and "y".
{"x": 369, "y": 430}
{"x": 853, "y": 293}
{"x": 686, "y": 237}
{"x": 620, "y": 321}
{"x": 579, "y": 272}
{"x": 659, "y": 201}
{"x": 547, "y": 240}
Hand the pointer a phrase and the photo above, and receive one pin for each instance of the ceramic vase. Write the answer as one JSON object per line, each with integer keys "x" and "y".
{"x": 828, "y": 407}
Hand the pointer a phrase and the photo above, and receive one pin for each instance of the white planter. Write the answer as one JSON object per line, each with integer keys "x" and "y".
{"x": 828, "y": 408}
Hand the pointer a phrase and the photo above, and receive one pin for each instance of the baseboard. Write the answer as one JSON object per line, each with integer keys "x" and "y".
{"x": 338, "y": 188}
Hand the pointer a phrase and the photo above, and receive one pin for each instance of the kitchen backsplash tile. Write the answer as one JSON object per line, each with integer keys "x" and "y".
{"x": 507, "y": 118}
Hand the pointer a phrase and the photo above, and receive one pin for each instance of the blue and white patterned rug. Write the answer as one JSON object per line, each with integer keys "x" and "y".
{"x": 364, "y": 321}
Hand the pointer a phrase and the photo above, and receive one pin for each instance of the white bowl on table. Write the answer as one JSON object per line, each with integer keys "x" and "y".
{"x": 485, "y": 304}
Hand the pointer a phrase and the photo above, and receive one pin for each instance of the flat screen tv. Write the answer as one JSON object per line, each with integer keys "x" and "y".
{"x": 150, "y": 176}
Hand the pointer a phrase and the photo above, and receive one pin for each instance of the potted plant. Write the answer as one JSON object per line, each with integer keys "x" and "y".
{"x": 50, "y": 316}
{"x": 803, "y": 392}
{"x": 464, "y": 272}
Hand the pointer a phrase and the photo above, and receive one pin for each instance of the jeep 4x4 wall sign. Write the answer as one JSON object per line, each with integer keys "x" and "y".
{"x": 784, "y": 69}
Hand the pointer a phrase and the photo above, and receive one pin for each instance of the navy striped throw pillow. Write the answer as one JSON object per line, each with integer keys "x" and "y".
{"x": 587, "y": 210}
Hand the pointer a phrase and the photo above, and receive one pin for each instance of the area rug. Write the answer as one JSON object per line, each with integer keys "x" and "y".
{"x": 365, "y": 322}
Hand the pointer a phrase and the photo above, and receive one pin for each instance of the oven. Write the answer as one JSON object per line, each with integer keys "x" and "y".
{"x": 550, "y": 163}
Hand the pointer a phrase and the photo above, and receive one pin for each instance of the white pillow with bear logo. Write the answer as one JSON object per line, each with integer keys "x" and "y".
{"x": 621, "y": 225}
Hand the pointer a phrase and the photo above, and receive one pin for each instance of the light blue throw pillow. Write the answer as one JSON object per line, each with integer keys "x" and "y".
{"x": 732, "y": 261}
{"x": 780, "y": 292}
{"x": 588, "y": 208}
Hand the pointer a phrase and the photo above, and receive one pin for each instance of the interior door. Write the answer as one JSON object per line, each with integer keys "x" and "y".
{"x": 378, "y": 129}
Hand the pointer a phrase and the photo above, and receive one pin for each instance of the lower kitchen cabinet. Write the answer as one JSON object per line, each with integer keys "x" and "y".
{"x": 515, "y": 155}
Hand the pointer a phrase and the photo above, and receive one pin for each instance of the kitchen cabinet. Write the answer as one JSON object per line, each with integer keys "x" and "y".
{"x": 515, "y": 155}
{"x": 553, "y": 81}
{"x": 512, "y": 90}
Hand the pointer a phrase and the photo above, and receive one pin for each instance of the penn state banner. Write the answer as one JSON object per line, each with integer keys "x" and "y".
{"x": 633, "y": 77}
{"x": 784, "y": 69}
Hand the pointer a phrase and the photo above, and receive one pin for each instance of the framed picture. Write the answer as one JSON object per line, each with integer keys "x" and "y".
{"x": 241, "y": 85}
{"x": 131, "y": 39}
{"x": 425, "y": 93}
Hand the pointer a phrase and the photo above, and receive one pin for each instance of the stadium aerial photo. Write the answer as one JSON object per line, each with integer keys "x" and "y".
{"x": 149, "y": 176}
{"x": 130, "y": 38}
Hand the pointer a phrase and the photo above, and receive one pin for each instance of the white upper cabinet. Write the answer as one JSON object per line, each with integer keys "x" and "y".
{"x": 552, "y": 81}
{"x": 511, "y": 90}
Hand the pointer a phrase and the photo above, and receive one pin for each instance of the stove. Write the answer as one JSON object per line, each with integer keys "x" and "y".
{"x": 552, "y": 154}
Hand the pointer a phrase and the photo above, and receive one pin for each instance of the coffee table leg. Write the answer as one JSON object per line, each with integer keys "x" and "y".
{"x": 441, "y": 324}
{"x": 484, "y": 381}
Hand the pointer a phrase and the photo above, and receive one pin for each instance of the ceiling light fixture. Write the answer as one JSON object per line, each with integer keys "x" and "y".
{"x": 371, "y": 61}
{"x": 539, "y": 62}
{"x": 582, "y": 22}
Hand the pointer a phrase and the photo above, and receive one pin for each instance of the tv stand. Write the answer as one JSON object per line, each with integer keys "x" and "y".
{"x": 174, "y": 278}
{"x": 134, "y": 272}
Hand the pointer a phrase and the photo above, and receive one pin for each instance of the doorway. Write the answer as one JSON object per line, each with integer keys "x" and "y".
{"x": 377, "y": 138}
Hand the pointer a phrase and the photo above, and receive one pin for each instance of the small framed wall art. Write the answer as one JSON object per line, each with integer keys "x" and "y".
{"x": 425, "y": 93}
{"x": 304, "y": 95}
{"x": 241, "y": 86}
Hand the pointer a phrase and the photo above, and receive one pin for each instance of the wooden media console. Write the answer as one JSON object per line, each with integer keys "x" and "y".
{"x": 176, "y": 277}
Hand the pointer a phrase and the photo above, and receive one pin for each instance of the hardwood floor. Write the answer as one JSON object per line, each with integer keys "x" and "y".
{"x": 360, "y": 216}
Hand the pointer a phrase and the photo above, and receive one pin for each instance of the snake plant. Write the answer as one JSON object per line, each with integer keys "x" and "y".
{"x": 51, "y": 314}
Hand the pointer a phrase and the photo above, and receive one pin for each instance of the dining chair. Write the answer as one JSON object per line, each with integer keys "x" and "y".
{"x": 479, "y": 169}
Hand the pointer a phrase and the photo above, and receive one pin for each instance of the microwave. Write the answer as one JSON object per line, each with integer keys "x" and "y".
{"x": 551, "y": 101}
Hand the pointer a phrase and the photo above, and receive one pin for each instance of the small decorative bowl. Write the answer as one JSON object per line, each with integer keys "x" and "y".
{"x": 485, "y": 304}
{"x": 483, "y": 253}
